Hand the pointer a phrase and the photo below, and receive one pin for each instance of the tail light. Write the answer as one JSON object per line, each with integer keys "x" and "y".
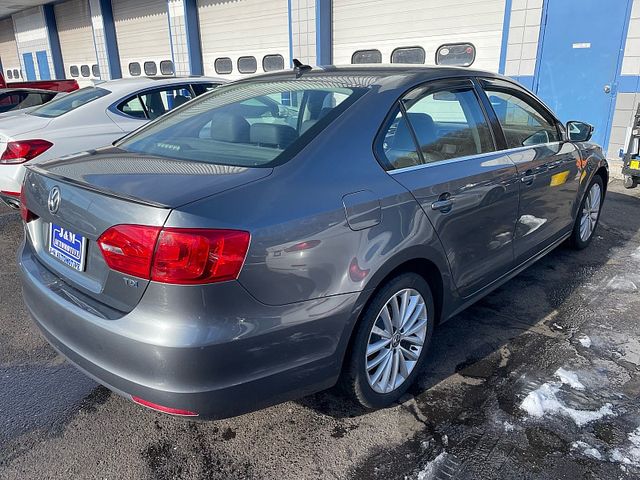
{"x": 175, "y": 255}
{"x": 24, "y": 150}
{"x": 26, "y": 214}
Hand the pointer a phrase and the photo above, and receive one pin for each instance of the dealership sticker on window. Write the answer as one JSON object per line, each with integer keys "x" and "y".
{"x": 582, "y": 45}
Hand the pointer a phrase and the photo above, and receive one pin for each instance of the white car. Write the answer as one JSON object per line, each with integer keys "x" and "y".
{"x": 86, "y": 119}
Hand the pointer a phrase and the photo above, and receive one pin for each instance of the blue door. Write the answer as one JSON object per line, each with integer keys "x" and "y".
{"x": 43, "y": 65}
{"x": 582, "y": 45}
{"x": 29, "y": 67}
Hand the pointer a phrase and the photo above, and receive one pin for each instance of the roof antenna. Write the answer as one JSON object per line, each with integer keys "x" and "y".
{"x": 299, "y": 67}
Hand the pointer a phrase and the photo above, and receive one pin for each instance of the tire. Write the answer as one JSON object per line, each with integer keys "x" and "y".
{"x": 357, "y": 381}
{"x": 581, "y": 236}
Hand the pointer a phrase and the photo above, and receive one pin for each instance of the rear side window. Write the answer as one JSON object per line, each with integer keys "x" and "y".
{"x": 67, "y": 103}
{"x": 366, "y": 56}
{"x": 250, "y": 124}
{"x": 223, "y": 65}
{"x": 446, "y": 124}
{"x": 408, "y": 55}
{"x": 523, "y": 123}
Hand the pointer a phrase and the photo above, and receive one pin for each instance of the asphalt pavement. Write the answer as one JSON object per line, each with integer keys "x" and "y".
{"x": 540, "y": 380}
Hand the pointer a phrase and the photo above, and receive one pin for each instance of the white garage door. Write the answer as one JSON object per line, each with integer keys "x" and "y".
{"x": 76, "y": 40}
{"x": 142, "y": 31}
{"x": 385, "y": 25}
{"x": 9, "y": 51}
{"x": 237, "y": 36}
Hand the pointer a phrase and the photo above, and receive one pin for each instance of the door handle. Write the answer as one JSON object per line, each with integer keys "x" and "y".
{"x": 444, "y": 203}
{"x": 528, "y": 177}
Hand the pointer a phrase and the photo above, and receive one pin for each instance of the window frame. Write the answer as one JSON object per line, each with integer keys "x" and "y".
{"x": 85, "y": 69}
{"x": 76, "y": 69}
{"x": 420, "y": 91}
{"x": 162, "y": 69}
{"x": 139, "y": 74}
{"x": 150, "y": 63}
{"x": 10, "y": 74}
{"x": 95, "y": 70}
{"x": 527, "y": 97}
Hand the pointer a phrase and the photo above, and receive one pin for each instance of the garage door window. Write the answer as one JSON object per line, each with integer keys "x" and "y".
{"x": 272, "y": 62}
{"x": 9, "y": 74}
{"x": 150, "y": 69}
{"x": 95, "y": 70}
{"x": 134, "y": 69}
{"x": 74, "y": 71}
{"x": 166, "y": 67}
{"x": 457, "y": 54}
{"x": 247, "y": 65}
{"x": 408, "y": 55}
{"x": 223, "y": 65}
{"x": 84, "y": 70}
{"x": 366, "y": 56}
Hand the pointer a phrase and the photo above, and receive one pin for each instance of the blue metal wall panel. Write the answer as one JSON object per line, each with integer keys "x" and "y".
{"x": 54, "y": 41}
{"x": 323, "y": 32}
{"x": 29, "y": 66}
{"x": 192, "y": 30}
{"x": 505, "y": 35}
{"x": 111, "y": 44}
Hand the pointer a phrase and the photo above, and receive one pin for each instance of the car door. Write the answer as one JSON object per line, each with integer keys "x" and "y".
{"x": 438, "y": 143}
{"x": 548, "y": 166}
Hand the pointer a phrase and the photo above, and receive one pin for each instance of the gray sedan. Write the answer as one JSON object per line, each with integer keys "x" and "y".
{"x": 300, "y": 229}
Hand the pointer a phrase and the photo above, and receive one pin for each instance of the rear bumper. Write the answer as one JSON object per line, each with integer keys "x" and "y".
{"x": 227, "y": 356}
{"x": 11, "y": 177}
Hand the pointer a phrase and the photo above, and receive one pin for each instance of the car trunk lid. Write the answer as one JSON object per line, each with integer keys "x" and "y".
{"x": 96, "y": 195}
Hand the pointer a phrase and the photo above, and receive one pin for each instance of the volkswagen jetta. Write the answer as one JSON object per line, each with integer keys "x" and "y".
{"x": 294, "y": 230}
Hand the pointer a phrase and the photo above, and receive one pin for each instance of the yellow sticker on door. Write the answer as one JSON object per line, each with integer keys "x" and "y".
{"x": 559, "y": 178}
{"x": 634, "y": 165}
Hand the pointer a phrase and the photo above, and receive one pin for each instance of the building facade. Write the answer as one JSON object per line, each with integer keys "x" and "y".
{"x": 582, "y": 57}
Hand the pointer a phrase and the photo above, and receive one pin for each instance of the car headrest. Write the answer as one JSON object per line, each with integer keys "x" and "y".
{"x": 179, "y": 100}
{"x": 424, "y": 127}
{"x": 271, "y": 134}
{"x": 229, "y": 127}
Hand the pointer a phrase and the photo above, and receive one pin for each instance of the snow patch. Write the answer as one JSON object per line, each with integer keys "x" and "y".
{"x": 587, "y": 450}
{"x": 544, "y": 400}
{"x": 569, "y": 378}
{"x": 508, "y": 427}
{"x": 585, "y": 341}
{"x": 430, "y": 469}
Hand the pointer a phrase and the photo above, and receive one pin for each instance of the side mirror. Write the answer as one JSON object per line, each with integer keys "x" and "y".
{"x": 579, "y": 131}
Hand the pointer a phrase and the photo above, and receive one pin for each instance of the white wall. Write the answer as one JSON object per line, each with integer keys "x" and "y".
{"x": 32, "y": 36}
{"x": 524, "y": 30}
{"x": 76, "y": 37}
{"x": 8, "y": 47}
{"x": 389, "y": 24}
{"x": 243, "y": 27}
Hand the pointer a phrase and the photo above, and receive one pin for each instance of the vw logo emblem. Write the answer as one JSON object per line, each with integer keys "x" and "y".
{"x": 54, "y": 200}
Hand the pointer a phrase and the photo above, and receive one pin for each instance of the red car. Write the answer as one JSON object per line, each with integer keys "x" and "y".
{"x": 56, "y": 85}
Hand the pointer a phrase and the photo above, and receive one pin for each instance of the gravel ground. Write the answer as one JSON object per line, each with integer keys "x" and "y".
{"x": 539, "y": 380}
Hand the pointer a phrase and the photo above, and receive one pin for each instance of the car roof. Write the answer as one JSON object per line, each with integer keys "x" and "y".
{"x": 377, "y": 74}
{"x": 123, "y": 85}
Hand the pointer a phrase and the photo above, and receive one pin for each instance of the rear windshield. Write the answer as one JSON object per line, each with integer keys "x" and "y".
{"x": 250, "y": 124}
{"x": 66, "y": 103}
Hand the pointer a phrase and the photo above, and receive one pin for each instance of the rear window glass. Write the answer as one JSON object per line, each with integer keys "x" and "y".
{"x": 69, "y": 102}
{"x": 251, "y": 124}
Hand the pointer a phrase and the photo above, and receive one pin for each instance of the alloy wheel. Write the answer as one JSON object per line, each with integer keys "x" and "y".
{"x": 590, "y": 212}
{"x": 396, "y": 340}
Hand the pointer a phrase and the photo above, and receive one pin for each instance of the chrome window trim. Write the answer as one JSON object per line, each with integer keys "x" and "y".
{"x": 470, "y": 157}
